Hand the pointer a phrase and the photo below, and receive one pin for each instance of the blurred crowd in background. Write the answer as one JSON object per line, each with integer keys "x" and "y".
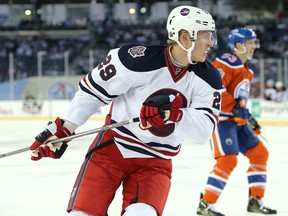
{"x": 108, "y": 34}
{"x": 275, "y": 91}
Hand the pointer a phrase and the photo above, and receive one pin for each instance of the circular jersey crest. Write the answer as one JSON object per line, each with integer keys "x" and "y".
{"x": 168, "y": 128}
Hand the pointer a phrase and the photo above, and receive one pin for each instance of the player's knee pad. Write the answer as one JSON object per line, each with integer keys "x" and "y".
{"x": 78, "y": 213}
{"x": 140, "y": 209}
{"x": 258, "y": 154}
{"x": 226, "y": 163}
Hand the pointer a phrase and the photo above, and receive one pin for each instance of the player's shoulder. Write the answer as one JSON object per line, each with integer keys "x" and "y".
{"x": 207, "y": 72}
{"x": 141, "y": 58}
{"x": 229, "y": 59}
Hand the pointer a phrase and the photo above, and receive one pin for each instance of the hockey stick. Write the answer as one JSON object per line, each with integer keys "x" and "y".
{"x": 81, "y": 134}
{"x": 262, "y": 137}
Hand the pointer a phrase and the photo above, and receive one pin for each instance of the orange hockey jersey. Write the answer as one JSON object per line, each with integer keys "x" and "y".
{"x": 236, "y": 78}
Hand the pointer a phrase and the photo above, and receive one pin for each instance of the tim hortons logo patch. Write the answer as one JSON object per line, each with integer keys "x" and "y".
{"x": 137, "y": 51}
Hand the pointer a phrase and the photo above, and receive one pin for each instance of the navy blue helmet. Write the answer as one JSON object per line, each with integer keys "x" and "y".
{"x": 241, "y": 35}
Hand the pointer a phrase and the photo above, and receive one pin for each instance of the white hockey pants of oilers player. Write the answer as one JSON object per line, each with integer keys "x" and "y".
{"x": 137, "y": 209}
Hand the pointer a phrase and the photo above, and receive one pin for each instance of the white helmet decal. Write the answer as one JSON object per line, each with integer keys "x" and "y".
{"x": 191, "y": 19}
{"x": 184, "y": 11}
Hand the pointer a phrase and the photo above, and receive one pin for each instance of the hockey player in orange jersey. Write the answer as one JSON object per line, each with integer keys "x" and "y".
{"x": 237, "y": 130}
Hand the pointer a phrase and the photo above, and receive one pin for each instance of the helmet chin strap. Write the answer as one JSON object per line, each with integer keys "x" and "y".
{"x": 244, "y": 52}
{"x": 240, "y": 52}
{"x": 189, "y": 51}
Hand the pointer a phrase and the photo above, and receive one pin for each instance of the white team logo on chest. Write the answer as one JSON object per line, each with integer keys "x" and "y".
{"x": 137, "y": 51}
{"x": 242, "y": 89}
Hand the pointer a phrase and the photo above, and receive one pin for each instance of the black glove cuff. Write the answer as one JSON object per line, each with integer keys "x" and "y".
{"x": 60, "y": 152}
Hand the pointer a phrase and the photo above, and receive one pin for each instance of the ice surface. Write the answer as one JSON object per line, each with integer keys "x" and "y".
{"x": 42, "y": 188}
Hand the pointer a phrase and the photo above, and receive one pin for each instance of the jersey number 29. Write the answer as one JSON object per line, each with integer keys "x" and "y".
{"x": 107, "y": 71}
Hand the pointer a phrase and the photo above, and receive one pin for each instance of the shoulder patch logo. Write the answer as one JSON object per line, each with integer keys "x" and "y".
{"x": 137, "y": 51}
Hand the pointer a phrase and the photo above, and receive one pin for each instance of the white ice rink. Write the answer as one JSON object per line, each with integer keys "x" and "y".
{"x": 42, "y": 188}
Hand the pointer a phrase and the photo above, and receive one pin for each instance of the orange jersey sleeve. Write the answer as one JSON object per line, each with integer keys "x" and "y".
{"x": 236, "y": 78}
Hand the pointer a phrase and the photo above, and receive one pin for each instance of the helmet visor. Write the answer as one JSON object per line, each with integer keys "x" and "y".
{"x": 209, "y": 36}
{"x": 257, "y": 43}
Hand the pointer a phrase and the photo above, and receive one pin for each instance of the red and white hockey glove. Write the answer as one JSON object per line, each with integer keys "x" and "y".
{"x": 240, "y": 112}
{"x": 53, "y": 130}
{"x": 157, "y": 110}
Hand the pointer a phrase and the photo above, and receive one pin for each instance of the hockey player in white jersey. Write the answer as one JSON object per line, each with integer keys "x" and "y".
{"x": 176, "y": 93}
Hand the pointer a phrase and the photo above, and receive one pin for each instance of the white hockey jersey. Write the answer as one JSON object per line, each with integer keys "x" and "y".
{"x": 130, "y": 75}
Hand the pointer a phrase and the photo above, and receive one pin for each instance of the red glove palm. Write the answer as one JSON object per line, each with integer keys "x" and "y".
{"x": 53, "y": 130}
{"x": 155, "y": 116}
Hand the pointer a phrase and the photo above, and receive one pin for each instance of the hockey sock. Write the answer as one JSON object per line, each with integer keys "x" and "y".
{"x": 257, "y": 172}
{"x": 218, "y": 177}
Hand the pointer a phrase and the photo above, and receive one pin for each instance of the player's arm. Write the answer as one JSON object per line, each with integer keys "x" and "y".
{"x": 96, "y": 89}
{"x": 234, "y": 108}
{"x": 201, "y": 118}
{"x": 99, "y": 87}
{"x": 228, "y": 102}
{"x": 227, "y": 76}
{"x": 201, "y": 114}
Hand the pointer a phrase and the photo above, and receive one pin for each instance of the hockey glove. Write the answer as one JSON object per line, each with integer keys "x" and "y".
{"x": 53, "y": 130}
{"x": 240, "y": 112}
{"x": 157, "y": 110}
{"x": 254, "y": 125}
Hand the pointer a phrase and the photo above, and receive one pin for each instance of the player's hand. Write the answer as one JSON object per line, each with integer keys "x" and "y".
{"x": 175, "y": 113}
{"x": 53, "y": 130}
{"x": 240, "y": 112}
{"x": 157, "y": 110}
{"x": 254, "y": 125}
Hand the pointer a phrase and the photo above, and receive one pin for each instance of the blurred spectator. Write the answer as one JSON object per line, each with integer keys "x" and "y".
{"x": 270, "y": 91}
{"x": 281, "y": 92}
{"x": 85, "y": 51}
